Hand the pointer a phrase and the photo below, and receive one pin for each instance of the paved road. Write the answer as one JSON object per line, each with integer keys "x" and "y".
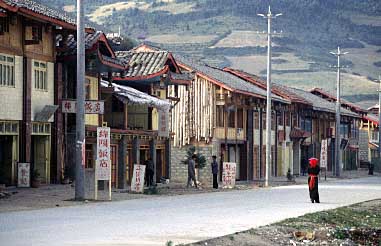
{"x": 181, "y": 219}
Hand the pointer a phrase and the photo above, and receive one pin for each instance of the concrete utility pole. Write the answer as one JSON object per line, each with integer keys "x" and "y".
{"x": 80, "y": 117}
{"x": 269, "y": 16}
{"x": 379, "y": 115}
{"x": 337, "y": 168}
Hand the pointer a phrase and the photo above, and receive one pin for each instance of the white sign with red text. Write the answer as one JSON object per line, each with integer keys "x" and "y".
{"x": 163, "y": 123}
{"x": 324, "y": 153}
{"x": 137, "y": 182}
{"x": 228, "y": 174}
{"x": 91, "y": 107}
{"x": 103, "y": 163}
{"x": 23, "y": 177}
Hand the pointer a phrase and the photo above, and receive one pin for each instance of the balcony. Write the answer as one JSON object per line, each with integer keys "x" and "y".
{"x": 219, "y": 132}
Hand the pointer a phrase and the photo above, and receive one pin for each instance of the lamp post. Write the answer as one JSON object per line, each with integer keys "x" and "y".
{"x": 269, "y": 16}
{"x": 337, "y": 168}
{"x": 80, "y": 116}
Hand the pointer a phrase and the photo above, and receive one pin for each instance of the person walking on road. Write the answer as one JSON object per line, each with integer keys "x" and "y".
{"x": 192, "y": 171}
{"x": 214, "y": 172}
{"x": 313, "y": 183}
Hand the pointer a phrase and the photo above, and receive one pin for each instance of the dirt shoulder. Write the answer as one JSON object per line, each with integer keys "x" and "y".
{"x": 358, "y": 224}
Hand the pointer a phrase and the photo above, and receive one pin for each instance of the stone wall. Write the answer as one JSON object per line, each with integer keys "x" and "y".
{"x": 179, "y": 171}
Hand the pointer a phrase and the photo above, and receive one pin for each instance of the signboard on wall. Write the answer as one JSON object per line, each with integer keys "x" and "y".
{"x": 23, "y": 177}
{"x": 228, "y": 174}
{"x": 324, "y": 153}
{"x": 163, "y": 130}
{"x": 103, "y": 163}
{"x": 137, "y": 182}
{"x": 91, "y": 107}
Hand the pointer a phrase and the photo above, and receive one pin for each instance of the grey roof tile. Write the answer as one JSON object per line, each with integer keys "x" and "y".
{"x": 143, "y": 63}
{"x": 317, "y": 102}
{"x": 41, "y": 9}
{"x": 225, "y": 78}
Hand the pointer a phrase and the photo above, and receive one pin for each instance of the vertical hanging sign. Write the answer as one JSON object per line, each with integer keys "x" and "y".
{"x": 163, "y": 123}
{"x": 323, "y": 153}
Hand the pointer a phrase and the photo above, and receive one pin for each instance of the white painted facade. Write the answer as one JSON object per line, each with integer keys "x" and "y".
{"x": 40, "y": 98}
{"x": 11, "y": 98}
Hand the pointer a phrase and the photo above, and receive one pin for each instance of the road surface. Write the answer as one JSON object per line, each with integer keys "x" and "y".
{"x": 181, "y": 219}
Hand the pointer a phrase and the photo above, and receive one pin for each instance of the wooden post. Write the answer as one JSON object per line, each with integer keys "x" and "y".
{"x": 152, "y": 149}
{"x": 122, "y": 162}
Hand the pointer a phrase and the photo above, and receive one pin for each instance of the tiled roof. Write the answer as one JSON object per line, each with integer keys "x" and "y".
{"x": 225, "y": 78}
{"x": 276, "y": 89}
{"x": 143, "y": 63}
{"x": 371, "y": 117}
{"x": 41, "y": 9}
{"x": 342, "y": 101}
{"x": 70, "y": 43}
{"x": 318, "y": 103}
{"x": 185, "y": 77}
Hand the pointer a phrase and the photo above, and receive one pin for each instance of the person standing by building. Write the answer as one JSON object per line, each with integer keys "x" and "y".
{"x": 214, "y": 171}
{"x": 150, "y": 171}
{"x": 313, "y": 183}
{"x": 192, "y": 171}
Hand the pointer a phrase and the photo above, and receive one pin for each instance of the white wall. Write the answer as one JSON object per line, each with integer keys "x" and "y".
{"x": 11, "y": 99}
{"x": 42, "y": 98}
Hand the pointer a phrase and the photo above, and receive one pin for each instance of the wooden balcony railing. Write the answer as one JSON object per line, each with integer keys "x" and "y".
{"x": 219, "y": 132}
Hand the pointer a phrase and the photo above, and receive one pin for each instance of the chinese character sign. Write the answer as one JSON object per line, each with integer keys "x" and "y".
{"x": 23, "y": 175}
{"x": 137, "y": 182}
{"x": 228, "y": 174}
{"x": 163, "y": 123}
{"x": 103, "y": 167}
{"x": 91, "y": 107}
{"x": 323, "y": 153}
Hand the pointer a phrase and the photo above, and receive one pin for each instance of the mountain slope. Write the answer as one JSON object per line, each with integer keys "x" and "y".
{"x": 224, "y": 33}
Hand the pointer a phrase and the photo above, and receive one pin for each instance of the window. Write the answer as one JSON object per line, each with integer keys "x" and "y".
{"x": 7, "y": 71}
{"x": 256, "y": 120}
{"x": 231, "y": 119}
{"x": 287, "y": 118}
{"x": 88, "y": 89}
{"x": 240, "y": 118}
{"x": 280, "y": 118}
{"x": 4, "y": 25}
{"x": 220, "y": 116}
{"x": 40, "y": 80}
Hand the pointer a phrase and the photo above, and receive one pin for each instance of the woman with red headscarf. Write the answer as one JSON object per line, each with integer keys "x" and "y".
{"x": 313, "y": 172}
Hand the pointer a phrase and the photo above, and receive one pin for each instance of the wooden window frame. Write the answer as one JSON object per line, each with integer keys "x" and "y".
{"x": 7, "y": 71}
{"x": 40, "y": 70}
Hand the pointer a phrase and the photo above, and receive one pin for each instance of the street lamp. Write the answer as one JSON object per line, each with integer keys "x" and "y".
{"x": 337, "y": 168}
{"x": 269, "y": 16}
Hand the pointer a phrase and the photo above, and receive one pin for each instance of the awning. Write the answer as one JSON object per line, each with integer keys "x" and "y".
{"x": 373, "y": 146}
{"x": 129, "y": 95}
{"x": 46, "y": 113}
{"x": 297, "y": 133}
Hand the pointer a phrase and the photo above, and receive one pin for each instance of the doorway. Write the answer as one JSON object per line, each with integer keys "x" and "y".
{"x": 6, "y": 160}
{"x": 41, "y": 156}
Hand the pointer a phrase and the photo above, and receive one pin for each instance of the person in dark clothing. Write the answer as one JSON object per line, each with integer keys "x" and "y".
{"x": 214, "y": 172}
{"x": 192, "y": 171}
{"x": 313, "y": 183}
{"x": 149, "y": 171}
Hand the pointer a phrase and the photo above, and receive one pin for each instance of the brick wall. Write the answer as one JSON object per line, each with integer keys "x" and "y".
{"x": 179, "y": 171}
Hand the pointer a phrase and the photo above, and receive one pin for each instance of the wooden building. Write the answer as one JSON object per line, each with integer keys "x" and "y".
{"x": 218, "y": 113}
{"x": 27, "y": 56}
